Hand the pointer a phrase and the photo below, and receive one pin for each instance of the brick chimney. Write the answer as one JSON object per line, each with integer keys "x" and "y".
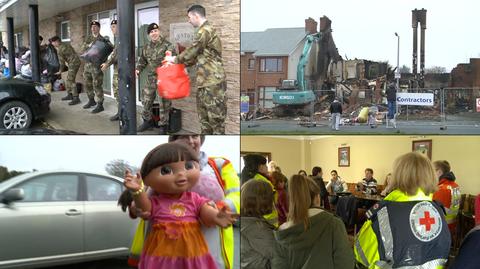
{"x": 310, "y": 26}
{"x": 325, "y": 23}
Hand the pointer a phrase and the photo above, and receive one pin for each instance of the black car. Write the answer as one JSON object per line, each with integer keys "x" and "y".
{"x": 21, "y": 101}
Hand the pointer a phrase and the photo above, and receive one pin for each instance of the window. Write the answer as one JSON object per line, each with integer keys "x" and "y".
{"x": 18, "y": 40}
{"x": 53, "y": 187}
{"x": 102, "y": 189}
{"x": 251, "y": 64}
{"x": 271, "y": 65}
{"x": 266, "y": 97}
{"x": 65, "y": 30}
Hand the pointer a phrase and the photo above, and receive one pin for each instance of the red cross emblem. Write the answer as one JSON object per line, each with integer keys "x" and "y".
{"x": 427, "y": 221}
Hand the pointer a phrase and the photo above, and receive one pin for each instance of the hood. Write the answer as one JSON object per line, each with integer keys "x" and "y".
{"x": 295, "y": 238}
{"x": 449, "y": 176}
{"x": 251, "y": 224}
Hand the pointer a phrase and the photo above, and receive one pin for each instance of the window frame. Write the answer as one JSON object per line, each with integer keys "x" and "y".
{"x": 279, "y": 65}
{"x": 61, "y": 31}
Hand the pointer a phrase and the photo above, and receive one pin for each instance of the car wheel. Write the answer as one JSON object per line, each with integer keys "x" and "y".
{"x": 15, "y": 115}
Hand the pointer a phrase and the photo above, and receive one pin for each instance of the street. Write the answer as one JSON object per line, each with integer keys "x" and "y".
{"x": 277, "y": 126}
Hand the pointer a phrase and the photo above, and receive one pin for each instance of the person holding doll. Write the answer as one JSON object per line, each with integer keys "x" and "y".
{"x": 175, "y": 239}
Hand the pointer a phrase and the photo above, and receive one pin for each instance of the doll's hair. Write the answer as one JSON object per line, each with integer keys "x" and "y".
{"x": 164, "y": 154}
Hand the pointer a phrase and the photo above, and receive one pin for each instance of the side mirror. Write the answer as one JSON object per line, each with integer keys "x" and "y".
{"x": 12, "y": 195}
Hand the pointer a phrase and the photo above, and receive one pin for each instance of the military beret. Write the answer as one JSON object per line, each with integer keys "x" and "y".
{"x": 151, "y": 27}
{"x": 55, "y": 38}
{"x": 95, "y": 23}
{"x": 114, "y": 22}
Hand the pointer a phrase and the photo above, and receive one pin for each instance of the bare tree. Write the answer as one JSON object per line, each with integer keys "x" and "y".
{"x": 117, "y": 167}
{"x": 435, "y": 70}
{"x": 404, "y": 69}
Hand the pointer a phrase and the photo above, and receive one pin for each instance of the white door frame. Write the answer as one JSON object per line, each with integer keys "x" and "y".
{"x": 137, "y": 8}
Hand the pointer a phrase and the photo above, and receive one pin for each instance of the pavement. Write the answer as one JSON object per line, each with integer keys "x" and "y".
{"x": 77, "y": 119}
{"x": 279, "y": 126}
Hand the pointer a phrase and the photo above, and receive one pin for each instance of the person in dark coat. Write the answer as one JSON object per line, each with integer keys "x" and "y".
{"x": 336, "y": 111}
{"x": 317, "y": 177}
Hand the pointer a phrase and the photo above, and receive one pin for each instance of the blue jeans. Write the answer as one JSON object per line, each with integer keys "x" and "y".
{"x": 391, "y": 109}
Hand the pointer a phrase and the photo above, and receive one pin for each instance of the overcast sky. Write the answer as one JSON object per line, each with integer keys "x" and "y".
{"x": 91, "y": 153}
{"x": 366, "y": 29}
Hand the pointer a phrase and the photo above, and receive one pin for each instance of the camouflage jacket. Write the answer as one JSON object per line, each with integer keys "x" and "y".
{"x": 153, "y": 54}
{"x": 112, "y": 58}
{"x": 67, "y": 55}
{"x": 206, "y": 53}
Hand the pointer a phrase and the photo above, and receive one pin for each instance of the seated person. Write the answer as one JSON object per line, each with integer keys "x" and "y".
{"x": 368, "y": 185}
{"x": 387, "y": 185}
{"x": 335, "y": 185}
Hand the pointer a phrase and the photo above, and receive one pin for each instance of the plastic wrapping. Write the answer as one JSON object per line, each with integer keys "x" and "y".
{"x": 50, "y": 60}
{"x": 173, "y": 81}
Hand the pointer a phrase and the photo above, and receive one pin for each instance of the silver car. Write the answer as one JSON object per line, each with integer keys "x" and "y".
{"x": 61, "y": 217}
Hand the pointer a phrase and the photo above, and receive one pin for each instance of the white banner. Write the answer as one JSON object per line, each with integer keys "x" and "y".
{"x": 415, "y": 99}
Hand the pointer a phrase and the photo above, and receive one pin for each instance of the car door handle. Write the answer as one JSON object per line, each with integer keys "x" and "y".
{"x": 73, "y": 212}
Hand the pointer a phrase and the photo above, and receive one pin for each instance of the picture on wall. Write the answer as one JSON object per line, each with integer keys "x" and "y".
{"x": 344, "y": 156}
{"x": 423, "y": 147}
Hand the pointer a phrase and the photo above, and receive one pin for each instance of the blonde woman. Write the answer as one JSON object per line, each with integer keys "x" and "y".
{"x": 406, "y": 229}
{"x": 311, "y": 237}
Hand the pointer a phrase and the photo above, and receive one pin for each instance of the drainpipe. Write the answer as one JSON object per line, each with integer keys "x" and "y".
{"x": 34, "y": 46}
{"x": 126, "y": 67}
{"x": 11, "y": 47}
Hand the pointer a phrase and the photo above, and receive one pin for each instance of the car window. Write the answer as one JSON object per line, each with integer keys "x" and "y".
{"x": 102, "y": 189}
{"x": 53, "y": 187}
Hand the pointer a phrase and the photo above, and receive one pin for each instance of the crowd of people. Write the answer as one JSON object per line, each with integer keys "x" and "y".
{"x": 98, "y": 54}
{"x": 293, "y": 224}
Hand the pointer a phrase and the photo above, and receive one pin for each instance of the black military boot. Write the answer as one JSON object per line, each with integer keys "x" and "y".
{"x": 68, "y": 97}
{"x": 115, "y": 117}
{"x": 146, "y": 125}
{"x": 91, "y": 102}
{"x": 99, "y": 108}
{"x": 75, "y": 100}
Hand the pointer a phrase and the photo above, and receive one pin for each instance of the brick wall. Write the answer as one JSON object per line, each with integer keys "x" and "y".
{"x": 461, "y": 76}
{"x": 247, "y": 75}
{"x": 271, "y": 79}
{"x": 225, "y": 18}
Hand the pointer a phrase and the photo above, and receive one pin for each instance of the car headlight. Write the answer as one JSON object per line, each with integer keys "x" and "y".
{"x": 41, "y": 90}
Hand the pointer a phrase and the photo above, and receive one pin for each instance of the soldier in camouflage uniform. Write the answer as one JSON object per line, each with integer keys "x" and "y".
{"x": 206, "y": 53}
{"x": 92, "y": 74}
{"x": 151, "y": 57}
{"x": 112, "y": 59}
{"x": 68, "y": 57}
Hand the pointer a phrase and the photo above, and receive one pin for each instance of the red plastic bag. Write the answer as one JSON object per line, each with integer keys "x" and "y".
{"x": 173, "y": 81}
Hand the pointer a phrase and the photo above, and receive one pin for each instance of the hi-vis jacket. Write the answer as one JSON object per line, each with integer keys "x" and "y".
{"x": 272, "y": 218}
{"x": 448, "y": 194}
{"x": 404, "y": 232}
{"x": 228, "y": 179}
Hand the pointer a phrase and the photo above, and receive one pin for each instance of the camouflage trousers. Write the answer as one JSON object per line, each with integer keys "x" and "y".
{"x": 93, "y": 77}
{"x": 70, "y": 84}
{"x": 115, "y": 84}
{"x": 149, "y": 94}
{"x": 212, "y": 108}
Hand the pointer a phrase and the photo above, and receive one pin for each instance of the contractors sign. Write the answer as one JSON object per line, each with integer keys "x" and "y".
{"x": 415, "y": 99}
